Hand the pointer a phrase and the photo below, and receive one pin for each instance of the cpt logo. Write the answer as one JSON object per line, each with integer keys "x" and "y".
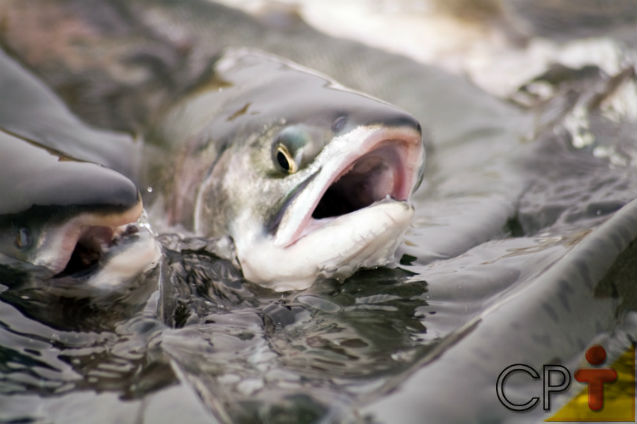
{"x": 607, "y": 395}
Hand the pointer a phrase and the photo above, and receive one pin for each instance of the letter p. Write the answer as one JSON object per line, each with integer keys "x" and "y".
{"x": 548, "y": 388}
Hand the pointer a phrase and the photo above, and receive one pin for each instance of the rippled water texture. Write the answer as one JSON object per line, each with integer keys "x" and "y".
{"x": 523, "y": 250}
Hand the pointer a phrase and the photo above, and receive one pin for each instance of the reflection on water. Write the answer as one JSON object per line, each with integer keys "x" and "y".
{"x": 522, "y": 251}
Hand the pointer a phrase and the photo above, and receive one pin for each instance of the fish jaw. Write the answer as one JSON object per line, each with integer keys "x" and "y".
{"x": 377, "y": 166}
{"x": 364, "y": 238}
{"x": 120, "y": 266}
{"x": 91, "y": 230}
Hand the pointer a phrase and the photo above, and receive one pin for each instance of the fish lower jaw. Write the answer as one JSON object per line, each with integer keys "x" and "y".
{"x": 335, "y": 247}
{"x": 131, "y": 259}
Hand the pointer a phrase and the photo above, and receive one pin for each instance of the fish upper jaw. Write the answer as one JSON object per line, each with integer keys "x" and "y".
{"x": 379, "y": 164}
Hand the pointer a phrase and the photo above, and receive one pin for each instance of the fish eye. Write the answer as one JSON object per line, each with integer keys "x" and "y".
{"x": 289, "y": 148}
{"x": 285, "y": 159}
{"x": 23, "y": 238}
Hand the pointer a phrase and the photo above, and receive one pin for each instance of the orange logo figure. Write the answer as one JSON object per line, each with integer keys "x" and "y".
{"x": 609, "y": 392}
{"x": 596, "y": 377}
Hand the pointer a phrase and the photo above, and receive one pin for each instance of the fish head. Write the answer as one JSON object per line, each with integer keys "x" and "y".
{"x": 63, "y": 219}
{"x": 309, "y": 178}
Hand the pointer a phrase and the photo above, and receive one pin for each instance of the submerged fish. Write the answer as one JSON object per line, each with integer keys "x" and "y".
{"x": 61, "y": 216}
{"x": 307, "y": 177}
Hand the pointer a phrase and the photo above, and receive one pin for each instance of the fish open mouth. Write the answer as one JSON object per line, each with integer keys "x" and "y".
{"x": 371, "y": 178}
{"x": 85, "y": 239}
{"x": 383, "y": 167}
{"x": 91, "y": 246}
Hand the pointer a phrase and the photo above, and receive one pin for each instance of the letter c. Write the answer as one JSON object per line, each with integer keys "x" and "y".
{"x": 500, "y": 387}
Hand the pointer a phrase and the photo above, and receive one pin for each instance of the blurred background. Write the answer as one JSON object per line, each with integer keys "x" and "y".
{"x": 498, "y": 44}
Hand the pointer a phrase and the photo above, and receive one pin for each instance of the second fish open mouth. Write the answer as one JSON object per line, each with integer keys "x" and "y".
{"x": 93, "y": 243}
{"x": 83, "y": 241}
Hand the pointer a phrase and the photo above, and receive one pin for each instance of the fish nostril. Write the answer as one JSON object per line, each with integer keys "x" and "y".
{"x": 339, "y": 123}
